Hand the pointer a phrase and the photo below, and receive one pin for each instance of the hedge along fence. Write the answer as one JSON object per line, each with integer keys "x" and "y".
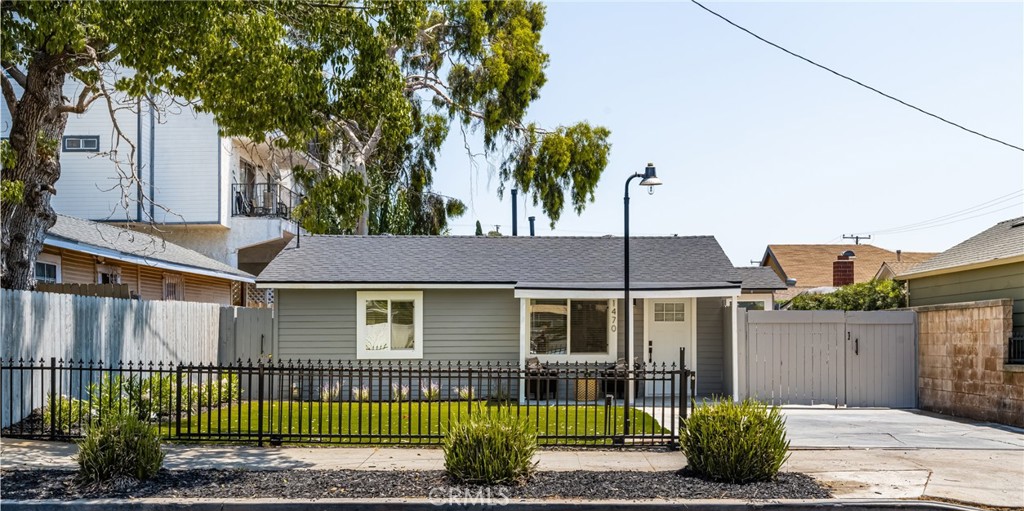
{"x": 345, "y": 402}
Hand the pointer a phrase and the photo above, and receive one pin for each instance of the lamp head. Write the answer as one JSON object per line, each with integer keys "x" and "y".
{"x": 650, "y": 176}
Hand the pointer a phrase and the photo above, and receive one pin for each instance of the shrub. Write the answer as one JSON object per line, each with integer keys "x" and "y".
{"x": 490, "y": 448}
{"x": 226, "y": 389}
{"x": 399, "y": 393}
{"x": 67, "y": 413}
{"x": 121, "y": 446}
{"x": 115, "y": 397}
{"x": 330, "y": 393}
{"x": 735, "y": 442}
{"x": 430, "y": 391}
{"x": 466, "y": 393}
{"x": 361, "y": 394}
{"x": 862, "y": 296}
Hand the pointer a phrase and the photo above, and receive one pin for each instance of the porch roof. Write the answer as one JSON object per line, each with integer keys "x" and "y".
{"x": 633, "y": 286}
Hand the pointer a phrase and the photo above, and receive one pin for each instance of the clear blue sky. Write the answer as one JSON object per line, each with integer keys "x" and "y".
{"x": 756, "y": 147}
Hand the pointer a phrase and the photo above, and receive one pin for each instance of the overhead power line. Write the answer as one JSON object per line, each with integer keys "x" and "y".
{"x": 858, "y": 82}
{"x": 1015, "y": 196}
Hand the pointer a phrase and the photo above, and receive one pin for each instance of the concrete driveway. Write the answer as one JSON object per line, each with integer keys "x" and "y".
{"x": 861, "y": 428}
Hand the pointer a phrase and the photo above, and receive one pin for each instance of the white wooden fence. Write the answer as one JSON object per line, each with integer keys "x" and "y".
{"x": 829, "y": 357}
{"x": 70, "y": 327}
{"x": 40, "y": 326}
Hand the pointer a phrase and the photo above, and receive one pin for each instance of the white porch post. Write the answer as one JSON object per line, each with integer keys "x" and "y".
{"x": 735, "y": 353}
{"x": 524, "y": 345}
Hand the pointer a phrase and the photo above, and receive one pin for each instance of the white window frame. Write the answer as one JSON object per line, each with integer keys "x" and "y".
{"x": 388, "y": 354}
{"x": 179, "y": 281}
{"x": 81, "y": 139}
{"x": 49, "y": 259}
{"x": 568, "y": 356}
{"x": 108, "y": 269}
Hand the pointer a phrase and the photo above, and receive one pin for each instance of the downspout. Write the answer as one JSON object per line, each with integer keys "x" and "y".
{"x": 152, "y": 159}
{"x": 138, "y": 136}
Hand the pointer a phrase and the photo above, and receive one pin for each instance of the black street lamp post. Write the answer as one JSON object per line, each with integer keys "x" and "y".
{"x": 650, "y": 178}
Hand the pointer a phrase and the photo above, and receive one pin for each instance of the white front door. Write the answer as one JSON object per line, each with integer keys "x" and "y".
{"x": 669, "y": 328}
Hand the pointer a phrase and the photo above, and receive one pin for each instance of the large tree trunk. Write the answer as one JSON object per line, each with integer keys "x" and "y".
{"x": 36, "y": 130}
{"x": 363, "y": 226}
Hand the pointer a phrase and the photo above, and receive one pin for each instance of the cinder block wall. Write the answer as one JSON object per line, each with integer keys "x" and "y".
{"x": 962, "y": 349}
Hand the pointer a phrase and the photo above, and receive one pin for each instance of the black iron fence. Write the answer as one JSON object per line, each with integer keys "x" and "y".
{"x": 1015, "y": 353}
{"x": 263, "y": 199}
{"x": 322, "y": 402}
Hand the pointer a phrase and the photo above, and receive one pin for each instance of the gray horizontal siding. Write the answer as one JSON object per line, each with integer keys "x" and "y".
{"x": 710, "y": 347}
{"x": 316, "y": 323}
{"x": 457, "y": 324}
{"x": 1004, "y": 281}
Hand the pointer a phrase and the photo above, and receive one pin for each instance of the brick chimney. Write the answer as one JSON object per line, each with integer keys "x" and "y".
{"x": 842, "y": 269}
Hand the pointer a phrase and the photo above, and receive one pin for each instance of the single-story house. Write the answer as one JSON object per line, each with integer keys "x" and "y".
{"x": 760, "y": 284}
{"x": 506, "y": 299}
{"x": 77, "y": 251}
{"x": 806, "y": 267}
{"x": 986, "y": 266}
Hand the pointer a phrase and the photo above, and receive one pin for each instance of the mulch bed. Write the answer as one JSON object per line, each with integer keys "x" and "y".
{"x": 320, "y": 484}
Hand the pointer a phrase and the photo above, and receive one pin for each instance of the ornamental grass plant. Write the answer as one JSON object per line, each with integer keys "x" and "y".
{"x": 490, "y": 447}
{"x": 735, "y": 442}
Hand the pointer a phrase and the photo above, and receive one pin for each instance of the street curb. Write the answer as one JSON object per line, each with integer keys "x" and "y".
{"x": 468, "y": 503}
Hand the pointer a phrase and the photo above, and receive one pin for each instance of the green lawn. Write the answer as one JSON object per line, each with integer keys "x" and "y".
{"x": 306, "y": 422}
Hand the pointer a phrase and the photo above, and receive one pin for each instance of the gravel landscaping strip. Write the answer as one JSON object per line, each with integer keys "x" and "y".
{"x": 318, "y": 484}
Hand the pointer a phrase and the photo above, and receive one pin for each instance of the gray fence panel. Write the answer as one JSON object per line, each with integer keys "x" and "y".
{"x": 829, "y": 357}
{"x": 37, "y": 326}
{"x": 881, "y": 359}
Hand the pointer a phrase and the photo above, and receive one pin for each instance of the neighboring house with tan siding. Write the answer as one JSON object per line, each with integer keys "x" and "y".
{"x": 989, "y": 265}
{"x": 816, "y": 266}
{"x": 78, "y": 251}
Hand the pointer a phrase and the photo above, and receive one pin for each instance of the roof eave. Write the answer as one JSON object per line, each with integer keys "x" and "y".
{"x": 999, "y": 261}
{"x": 61, "y": 242}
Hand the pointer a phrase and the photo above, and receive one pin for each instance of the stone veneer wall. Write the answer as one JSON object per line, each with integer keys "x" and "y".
{"x": 962, "y": 350}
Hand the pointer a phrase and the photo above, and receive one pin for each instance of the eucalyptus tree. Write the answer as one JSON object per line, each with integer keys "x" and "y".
{"x": 376, "y": 84}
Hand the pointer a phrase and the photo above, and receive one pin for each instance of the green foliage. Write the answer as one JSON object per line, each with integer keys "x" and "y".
{"x": 490, "y": 448}
{"x": 12, "y": 191}
{"x": 332, "y": 203}
{"x": 377, "y": 84}
{"x": 735, "y": 442}
{"x": 479, "y": 229}
{"x": 862, "y": 296}
{"x": 569, "y": 158}
{"x": 67, "y": 413}
{"x": 124, "y": 446}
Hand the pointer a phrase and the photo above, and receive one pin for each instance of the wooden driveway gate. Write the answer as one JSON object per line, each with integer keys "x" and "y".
{"x": 829, "y": 357}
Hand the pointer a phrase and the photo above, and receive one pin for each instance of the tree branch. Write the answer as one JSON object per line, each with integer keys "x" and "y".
{"x": 15, "y": 73}
{"x": 350, "y": 134}
{"x": 83, "y": 103}
{"x": 9, "y": 96}
{"x": 371, "y": 144}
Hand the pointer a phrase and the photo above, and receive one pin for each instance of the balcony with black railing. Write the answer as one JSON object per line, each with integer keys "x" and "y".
{"x": 263, "y": 200}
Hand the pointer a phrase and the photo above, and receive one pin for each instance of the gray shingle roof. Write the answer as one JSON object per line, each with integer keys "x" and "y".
{"x": 760, "y": 277}
{"x": 86, "y": 234}
{"x": 579, "y": 261}
{"x": 1001, "y": 241}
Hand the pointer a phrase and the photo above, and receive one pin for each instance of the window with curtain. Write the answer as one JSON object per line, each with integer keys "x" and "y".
{"x": 570, "y": 327}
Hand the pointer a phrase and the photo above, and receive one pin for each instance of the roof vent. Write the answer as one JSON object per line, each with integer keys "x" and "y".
{"x": 849, "y": 253}
{"x": 790, "y": 282}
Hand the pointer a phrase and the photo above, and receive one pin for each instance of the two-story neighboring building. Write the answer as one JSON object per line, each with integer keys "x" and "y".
{"x": 228, "y": 198}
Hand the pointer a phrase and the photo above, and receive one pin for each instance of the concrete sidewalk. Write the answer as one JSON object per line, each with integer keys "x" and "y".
{"x": 982, "y": 476}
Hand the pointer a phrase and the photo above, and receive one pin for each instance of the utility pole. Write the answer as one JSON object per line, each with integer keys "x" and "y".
{"x": 856, "y": 238}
